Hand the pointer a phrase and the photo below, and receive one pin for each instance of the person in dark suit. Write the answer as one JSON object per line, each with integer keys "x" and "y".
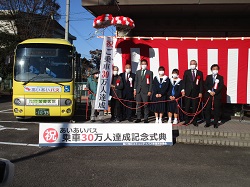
{"x": 214, "y": 84}
{"x": 143, "y": 89}
{"x": 128, "y": 79}
{"x": 160, "y": 88}
{"x": 192, "y": 87}
{"x": 174, "y": 92}
{"x": 116, "y": 91}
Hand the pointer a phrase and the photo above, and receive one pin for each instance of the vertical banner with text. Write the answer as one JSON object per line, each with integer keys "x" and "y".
{"x": 103, "y": 89}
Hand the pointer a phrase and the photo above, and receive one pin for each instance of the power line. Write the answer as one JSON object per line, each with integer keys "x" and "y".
{"x": 111, "y": 31}
{"x": 86, "y": 55}
{"x": 74, "y": 13}
{"x": 81, "y": 19}
{"x": 82, "y": 37}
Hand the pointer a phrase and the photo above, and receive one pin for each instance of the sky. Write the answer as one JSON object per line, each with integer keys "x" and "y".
{"x": 80, "y": 26}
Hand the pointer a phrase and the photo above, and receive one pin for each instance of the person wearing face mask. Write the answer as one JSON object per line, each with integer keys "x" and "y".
{"x": 174, "y": 92}
{"x": 128, "y": 79}
{"x": 92, "y": 83}
{"x": 192, "y": 87}
{"x": 160, "y": 88}
{"x": 116, "y": 91}
{"x": 214, "y": 84}
{"x": 143, "y": 89}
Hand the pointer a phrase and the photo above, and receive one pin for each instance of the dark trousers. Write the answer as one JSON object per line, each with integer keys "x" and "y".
{"x": 115, "y": 108}
{"x": 142, "y": 98}
{"x": 191, "y": 102}
{"x": 217, "y": 108}
{"x": 126, "y": 111}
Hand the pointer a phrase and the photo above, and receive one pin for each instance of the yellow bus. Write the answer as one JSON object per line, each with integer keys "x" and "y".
{"x": 43, "y": 78}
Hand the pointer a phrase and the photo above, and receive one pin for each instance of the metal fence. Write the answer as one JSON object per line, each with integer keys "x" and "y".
{"x": 80, "y": 93}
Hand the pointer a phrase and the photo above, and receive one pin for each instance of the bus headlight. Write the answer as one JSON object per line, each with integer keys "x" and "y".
{"x": 17, "y": 101}
{"x": 68, "y": 110}
{"x": 68, "y": 102}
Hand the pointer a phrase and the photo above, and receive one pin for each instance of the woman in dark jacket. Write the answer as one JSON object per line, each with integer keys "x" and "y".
{"x": 116, "y": 91}
{"x": 160, "y": 88}
{"x": 174, "y": 92}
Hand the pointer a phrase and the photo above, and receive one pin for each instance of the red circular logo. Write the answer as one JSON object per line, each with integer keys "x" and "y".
{"x": 50, "y": 135}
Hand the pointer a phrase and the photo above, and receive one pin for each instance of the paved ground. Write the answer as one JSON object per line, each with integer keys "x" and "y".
{"x": 177, "y": 165}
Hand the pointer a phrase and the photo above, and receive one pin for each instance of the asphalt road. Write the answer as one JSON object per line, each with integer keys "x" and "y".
{"x": 177, "y": 165}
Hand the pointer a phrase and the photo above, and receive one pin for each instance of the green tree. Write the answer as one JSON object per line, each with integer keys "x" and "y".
{"x": 23, "y": 19}
{"x": 8, "y": 44}
{"x": 87, "y": 66}
{"x": 29, "y": 18}
{"x": 96, "y": 57}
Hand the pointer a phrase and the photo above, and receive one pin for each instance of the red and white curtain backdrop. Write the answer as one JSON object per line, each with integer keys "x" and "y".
{"x": 232, "y": 55}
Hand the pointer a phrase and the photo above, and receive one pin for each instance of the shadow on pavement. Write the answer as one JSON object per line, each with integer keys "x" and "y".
{"x": 36, "y": 154}
{"x": 45, "y": 119}
{"x": 175, "y": 134}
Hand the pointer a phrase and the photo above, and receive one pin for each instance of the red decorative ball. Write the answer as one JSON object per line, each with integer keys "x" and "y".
{"x": 102, "y": 21}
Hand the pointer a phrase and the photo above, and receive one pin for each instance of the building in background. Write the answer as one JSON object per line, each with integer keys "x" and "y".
{"x": 16, "y": 28}
{"x": 40, "y": 26}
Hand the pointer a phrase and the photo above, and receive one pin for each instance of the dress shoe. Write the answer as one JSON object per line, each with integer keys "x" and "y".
{"x": 216, "y": 126}
{"x": 207, "y": 125}
{"x": 138, "y": 121}
{"x": 117, "y": 121}
{"x": 112, "y": 120}
{"x": 146, "y": 121}
{"x": 130, "y": 120}
{"x": 195, "y": 124}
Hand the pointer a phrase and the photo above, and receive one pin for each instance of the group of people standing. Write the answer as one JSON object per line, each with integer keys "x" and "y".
{"x": 160, "y": 94}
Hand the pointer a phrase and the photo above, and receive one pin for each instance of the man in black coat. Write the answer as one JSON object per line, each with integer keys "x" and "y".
{"x": 143, "y": 90}
{"x": 116, "y": 92}
{"x": 128, "y": 79}
{"x": 192, "y": 87}
{"x": 214, "y": 84}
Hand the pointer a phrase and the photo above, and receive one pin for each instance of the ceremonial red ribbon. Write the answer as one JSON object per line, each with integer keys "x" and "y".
{"x": 147, "y": 77}
{"x": 118, "y": 82}
{"x": 216, "y": 85}
{"x": 198, "y": 79}
{"x": 130, "y": 83}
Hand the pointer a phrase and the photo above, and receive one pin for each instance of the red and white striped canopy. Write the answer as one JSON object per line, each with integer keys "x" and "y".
{"x": 232, "y": 55}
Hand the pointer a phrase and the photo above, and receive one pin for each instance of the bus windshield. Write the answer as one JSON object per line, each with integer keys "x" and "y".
{"x": 43, "y": 63}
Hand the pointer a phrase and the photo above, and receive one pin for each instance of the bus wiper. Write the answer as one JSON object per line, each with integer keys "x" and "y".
{"x": 55, "y": 82}
{"x": 42, "y": 76}
{"x": 26, "y": 82}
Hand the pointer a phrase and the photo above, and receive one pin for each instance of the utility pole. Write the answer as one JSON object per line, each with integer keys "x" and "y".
{"x": 67, "y": 20}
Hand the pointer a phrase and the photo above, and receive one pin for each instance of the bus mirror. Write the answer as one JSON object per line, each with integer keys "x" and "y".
{"x": 6, "y": 172}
